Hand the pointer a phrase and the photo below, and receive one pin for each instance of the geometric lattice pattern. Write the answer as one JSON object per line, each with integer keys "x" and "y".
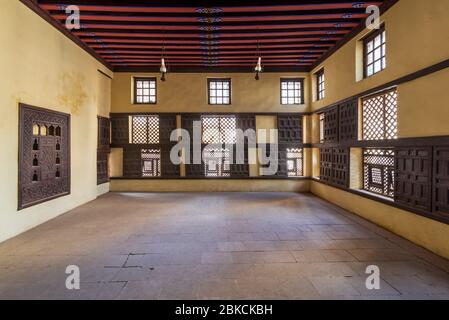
{"x": 378, "y": 166}
{"x": 151, "y": 163}
{"x": 218, "y": 129}
{"x": 145, "y": 90}
{"x": 219, "y": 91}
{"x": 217, "y": 162}
{"x": 291, "y": 91}
{"x": 295, "y": 162}
{"x": 380, "y": 116}
{"x": 145, "y": 129}
{"x": 375, "y": 53}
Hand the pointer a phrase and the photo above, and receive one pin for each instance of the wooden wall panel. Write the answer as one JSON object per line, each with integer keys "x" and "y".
{"x": 331, "y": 125}
{"x": 120, "y": 129}
{"x": 441, "y": 182}
{"x": 289, "y": 128}
{"x": 413, "y": 177}
{"x": 348, "y": 119}
{"x": 103, "y": 150}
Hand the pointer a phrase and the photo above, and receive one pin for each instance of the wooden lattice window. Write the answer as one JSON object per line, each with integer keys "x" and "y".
{"x": 375, "y": 52}
{"x": 320, "y": 85}
{"x": 378, "y": 166}
{"x": 145, "y": 129}
{"x": 292, "y": 91}
{"x": 219, "y": 91}
{"x": 218, "y": 129}
{"x": 295, "y": 162}
{"x": 145, "y": 90}
{"x": 380, "y": 116}
{"x": 151, "y": 162}
{"x": 217, "y": 162}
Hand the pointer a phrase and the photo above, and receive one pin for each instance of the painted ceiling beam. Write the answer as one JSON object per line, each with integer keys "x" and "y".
{"x": 214, "y": 9}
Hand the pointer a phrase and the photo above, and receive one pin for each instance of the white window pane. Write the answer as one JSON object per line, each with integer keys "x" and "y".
{"x": 284, "y": 85}
{"x": 384, "y": 63}
{"x": 377, "y": 41}
{"x": 384, "y": 37}
{"x": 369, "y": 47}
{"x": 146, "y": 84}
{"x": 146, "y": 99}
{"x": 284, "y": 101}
{"x": 212, "y": 85}
{"x": 139, "y": 92}
{"x": 213, "y": 100}
{"x": 369, "y": 70}
{"x": 377, "y": 53}
{"x": 226, "y": 93}
{"x": 377, "y": 66}
{"x": 153, "y": 99}
{"x": 297, "y": 101}
{"x": 219, "y": 85}
{"x": 139, "y": 99}
{"x": 297, "y": 85}
{"x": 383, "y": 50}
{"x": 225, "y": 100}
{"x": 284, "y": 93}
{"x": 213, "y": 93}
{"x": 139, "y": 84}
{"x": 153, "y": 92}
{"x": 220, "y": 100}
{"x": 225, "y": 85}
{"x": 291, "y": 101}
{"x": 370, "y": 58}
{"x": 146, "y": 92}
{"x": 290, "y": 86}
{"x": 152, "y": 84}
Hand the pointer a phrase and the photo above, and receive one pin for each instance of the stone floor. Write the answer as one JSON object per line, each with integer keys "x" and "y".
{"x": 216, "y": 246}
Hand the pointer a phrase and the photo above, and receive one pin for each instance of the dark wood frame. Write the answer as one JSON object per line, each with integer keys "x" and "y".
{"x": 318, "y": 75}
{"x": 300, "y": 80}
{"x": 365, "y": 41}
{"x": 135, "y": 79}
{"x": 20, "y": 206}
{"x": 209, "y": 80}
{"x": 146, "y": 124}
{"x": 370, "y": 176}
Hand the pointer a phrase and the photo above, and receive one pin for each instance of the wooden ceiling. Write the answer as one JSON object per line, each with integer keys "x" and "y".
{"x": 212, "y": 35}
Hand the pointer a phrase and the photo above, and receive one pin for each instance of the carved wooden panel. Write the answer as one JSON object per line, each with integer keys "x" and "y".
{"x": 326, "y": 164}
{"x": 289, "y": 128}
{"x": 44, "y": 155}
{"x": 167, "y": 124}
{"x": 103, "y": 150}
{"x": 441, "y": 182}
{"x": 192, "y": 170}
{"x": 132, "y": 161}
{"x": 348, "y": 121}
{"x": 168, "y": 168}
{"x": 246, "y": 121}
{"x": 120, "y": 130}
{"x": 330, "y": 125}
{"x": 340, "y": 167}
{"x": 413, "y": 173}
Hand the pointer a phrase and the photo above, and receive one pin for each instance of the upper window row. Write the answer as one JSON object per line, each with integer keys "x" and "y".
{"x": 219, "y": 91}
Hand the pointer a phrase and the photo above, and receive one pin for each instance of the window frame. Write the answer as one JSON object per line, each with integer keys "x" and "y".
{"x": 318, "y": 75}
{"x": 370, "y": 37}
{"x": 147, "y": 129}
{"x": 286, "y": 80}
{"x": 297, "y": 160}
{"x": 209, "y": 80}
{"x": 135, "y": 79}
{"x": 368, "y": 185}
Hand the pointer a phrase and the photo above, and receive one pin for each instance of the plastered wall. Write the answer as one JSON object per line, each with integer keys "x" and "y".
{"x": 41, "y": 67}
{"x": 248, "y": 95}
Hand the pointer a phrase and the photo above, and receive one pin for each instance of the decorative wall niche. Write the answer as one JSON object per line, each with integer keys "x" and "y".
{"x": 44, "y": 155}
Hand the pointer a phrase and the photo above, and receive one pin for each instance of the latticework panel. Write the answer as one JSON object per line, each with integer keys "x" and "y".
{"x": 120, "y": 130}
{"x": 103, "y": 149}
{"x": 44, "y": 155}
{"x": 102, "y": 167}
{"x": 378, "y": 166}
{"x": 326, "y": 164}
{"x": 218, "y": 129}
{"x": 348, "y": 121}
{"x": 217, "y": 162}
{"x": 295, "y": 162}
{"x": 380, "y": 116}
{"x": 413, "y": 186}
{"x": 441, "y": 182}
{"x": 331, "y": 125}
{"x": 340, "y": 167}
{"x": 104, "y": 133}
{"x": 289, "y": 129}
{"x": 145, "y": 129}
{"x": 151, "y": 162}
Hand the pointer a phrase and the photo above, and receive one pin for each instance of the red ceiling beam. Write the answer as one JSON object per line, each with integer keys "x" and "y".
{"x": 199, "y": 57}
{"x": 277, "y": 8}
{"x": 302, "y": 17}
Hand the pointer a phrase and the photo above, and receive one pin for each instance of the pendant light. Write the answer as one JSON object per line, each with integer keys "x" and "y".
{"x": 258, "y": 69}
{"x": 163, "y": 68}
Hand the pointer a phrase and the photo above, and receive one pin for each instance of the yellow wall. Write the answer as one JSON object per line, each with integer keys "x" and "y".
{"x": 417, "y": 37}
{"x": 187, "y": 92}
{"x": 427, "y": 233}
{"x": 40, "y": 66}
